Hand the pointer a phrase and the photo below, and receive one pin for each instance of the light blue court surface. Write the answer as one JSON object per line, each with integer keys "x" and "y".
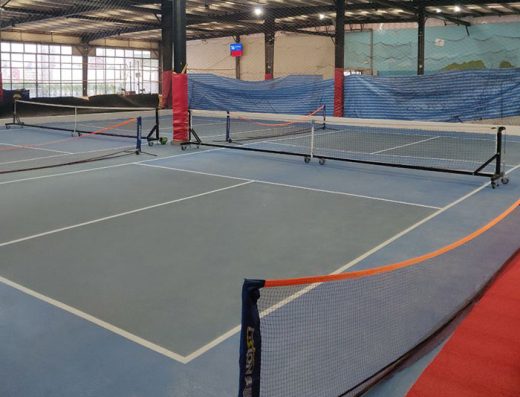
{"x": 123, "y": 277}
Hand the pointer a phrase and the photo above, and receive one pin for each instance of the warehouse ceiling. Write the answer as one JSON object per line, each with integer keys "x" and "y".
{"x": 141, "y": 20}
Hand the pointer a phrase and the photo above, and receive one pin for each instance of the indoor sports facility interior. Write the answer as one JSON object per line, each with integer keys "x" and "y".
{"x": 259, "y": 198}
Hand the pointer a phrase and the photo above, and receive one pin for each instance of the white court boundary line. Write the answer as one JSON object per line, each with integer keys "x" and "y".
{"x": 95, "y": 320}
{"x": 86, "y": 316}
{"x": 121, "y": 214}
{"x": 406, "y": 145}
{"x": 291, "y": 186}
{"x": 34, "y": 148}
{"x": 104, "y": 167}
{"x": 204, "y": 349}
{"x": 64, "y": 154}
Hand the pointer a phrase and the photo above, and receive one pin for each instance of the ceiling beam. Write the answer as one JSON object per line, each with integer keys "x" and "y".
{"x": 408, "y": 6}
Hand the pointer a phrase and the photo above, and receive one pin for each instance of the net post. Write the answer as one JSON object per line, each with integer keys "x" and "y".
{"x": 313, "y": 129}
{"x": 75, "y": 120}
{"x": 324, "y": 117}
{"x": 499, "y": 152}
{"x": 190, "y": 124}
{"x": 139, "y": 135}
{"x": 14, "y": 112}
{"x": 228, "y": 127}
{"x": 157, "y": 132}
{"x": 250, "y": 340}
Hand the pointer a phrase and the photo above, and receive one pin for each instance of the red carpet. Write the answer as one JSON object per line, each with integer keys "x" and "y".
{"x": 482, "y": 358}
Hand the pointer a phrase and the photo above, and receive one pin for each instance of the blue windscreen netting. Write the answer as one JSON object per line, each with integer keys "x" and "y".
{"x": 287, "y": 95}
{"x": 451, "y": 96}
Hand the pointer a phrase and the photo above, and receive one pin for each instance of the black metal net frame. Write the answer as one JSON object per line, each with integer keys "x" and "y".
{"x": 496, "y": 160}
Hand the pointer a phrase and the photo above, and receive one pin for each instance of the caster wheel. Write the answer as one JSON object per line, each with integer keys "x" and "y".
{"x": 322, "y": 161}
{"x": 494, "y": 184}
{"x": 307, "y": 159}
{"x": 137, "y": 152}
{"x": 183, "y": 148}
{"x": 163, "y": 140}
{"x": 150, "y": 143}
{"x": 198, "y": 146}
{"x": 505, "y": 180}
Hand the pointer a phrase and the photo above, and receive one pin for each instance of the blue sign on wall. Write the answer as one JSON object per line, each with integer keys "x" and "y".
{"x": 237, "y": 49}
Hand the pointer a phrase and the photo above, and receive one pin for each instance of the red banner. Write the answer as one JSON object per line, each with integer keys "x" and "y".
{"x": 180, "y": 107}
{"x": 339, "y": 96}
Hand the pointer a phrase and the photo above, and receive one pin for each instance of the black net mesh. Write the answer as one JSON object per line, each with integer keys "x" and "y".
{"x": 331, "y": 338}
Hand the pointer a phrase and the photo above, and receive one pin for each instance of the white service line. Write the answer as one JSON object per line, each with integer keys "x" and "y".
{"x": 342, "y": 269}
{"x": 406, "y": 145}
{"x": 106, "y": 218}
{"x": 293, "y": 186}
{"x": 33, "y": 178}
{"x": 34, "y": 148}
{"x": 104, "y": 168}
{"x": 65, "y": 155}
{"x": 96, "y": 321}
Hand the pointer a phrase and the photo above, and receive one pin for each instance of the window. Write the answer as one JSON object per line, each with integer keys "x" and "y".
{"x": 57, "y": 70}
{"x": 44, "y": 70}
{"x": 117, "y": 71}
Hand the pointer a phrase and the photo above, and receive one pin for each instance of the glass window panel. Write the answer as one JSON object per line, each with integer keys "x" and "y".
{"x": 55, "y": 75}
{"x": 111, "y": 61}
{"x": 110, "y": 52}
{"x": 77, "y": 60}
{"x": 129, "y": 53}
{"x": 110, "y": 75}
{"x": 66, "y": 89}
{"x": 6, "y": 47}
{"x": 43, "y": 49}
{"x": 43, "y": 90}
{"x": 17, "y": 47}
{"x": 55, "y": 59}
{"x": 30, "y": 48}
{"x": 146, "y": 54}
{"x": 77, "y": 75}
{"x": 29, "y": 74}
{"x": 100, "y": 74}
{"x": 29, "y": 58}
{"x": 66, "y": 75}
{"x": 42, "y": 58}
{"x": 66, "y": 59}
{"x": 66, "y": 50}
{"x": 77, "y": 90}
{"x": 43, "y": 74}
{"x": 6, "y": 74}
{"x": 6, "y": 56}
{"x": 55, "y": 49}
{"x": 17, "y": 57}
{"x": 120, "y": 53}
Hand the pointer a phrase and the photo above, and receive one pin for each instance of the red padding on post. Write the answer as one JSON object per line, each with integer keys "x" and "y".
{"x": 166, "y": 89}
{"x": 180, "y": 107}
{"x": 339, "y": 97}
{"x": 268, "y": 76}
